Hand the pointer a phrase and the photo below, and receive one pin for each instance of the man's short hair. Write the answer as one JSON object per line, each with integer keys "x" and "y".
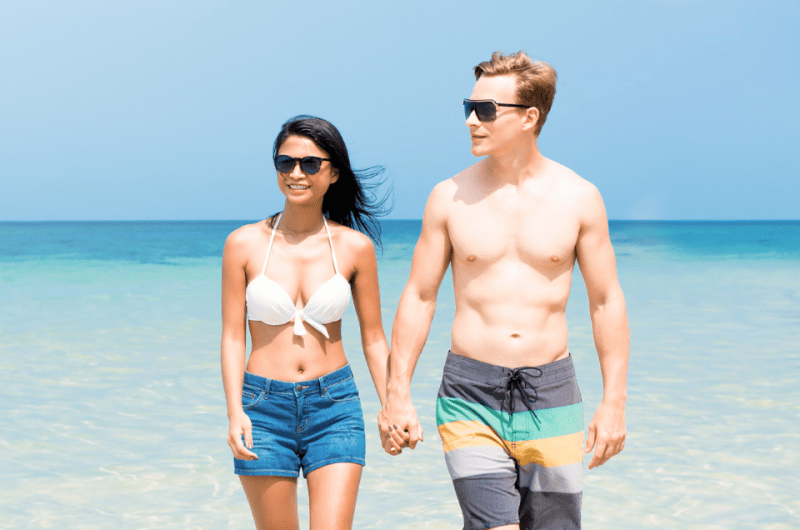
{"x": 536, "y": 80}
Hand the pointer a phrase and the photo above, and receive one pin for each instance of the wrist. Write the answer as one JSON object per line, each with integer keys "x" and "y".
{"x": 398, "y": 392}
{"x": 616, "y": 399}
{"x": 235, "y": 412}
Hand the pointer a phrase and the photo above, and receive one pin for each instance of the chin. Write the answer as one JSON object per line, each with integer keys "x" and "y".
{"x": 478, "y": 151}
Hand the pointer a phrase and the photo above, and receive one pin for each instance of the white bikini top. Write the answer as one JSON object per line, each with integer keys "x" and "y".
{"x": 268, "y": 302}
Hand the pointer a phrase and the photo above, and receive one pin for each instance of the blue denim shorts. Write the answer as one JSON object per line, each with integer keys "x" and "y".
{"x": 308, "y": 424}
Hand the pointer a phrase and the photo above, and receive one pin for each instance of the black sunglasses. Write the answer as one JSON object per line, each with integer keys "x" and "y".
{"x": 308, "y": 164}
{"x": 486, "y": 109}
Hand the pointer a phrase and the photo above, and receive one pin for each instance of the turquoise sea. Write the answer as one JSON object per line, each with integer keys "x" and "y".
{"x": 113, "y": 413}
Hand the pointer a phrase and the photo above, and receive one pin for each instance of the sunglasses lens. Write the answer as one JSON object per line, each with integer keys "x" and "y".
{"x": 284, "y": 164}
{"x": 484, "y": 110}
{"x": 310, "y": 164}
{"x": 468, "y": 108}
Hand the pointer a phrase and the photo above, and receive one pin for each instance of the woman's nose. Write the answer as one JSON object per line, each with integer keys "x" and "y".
{"x": 296, "y": 172}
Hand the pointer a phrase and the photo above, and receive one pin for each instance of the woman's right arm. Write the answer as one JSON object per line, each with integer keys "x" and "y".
{"x": 234, "y": 324}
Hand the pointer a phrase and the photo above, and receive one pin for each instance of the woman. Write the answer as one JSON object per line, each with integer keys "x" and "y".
{"x": 290, "y": 278}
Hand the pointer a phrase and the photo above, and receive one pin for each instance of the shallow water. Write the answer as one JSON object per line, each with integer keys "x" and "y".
{"x": 114, "y": 416}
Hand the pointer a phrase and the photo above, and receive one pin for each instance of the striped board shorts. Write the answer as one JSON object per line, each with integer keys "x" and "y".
{"x": 513, "y": 442}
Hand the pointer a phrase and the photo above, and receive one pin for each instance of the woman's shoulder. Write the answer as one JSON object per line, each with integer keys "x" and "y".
{"x": 247, "y": 235}
{"x": 351, "y": 239}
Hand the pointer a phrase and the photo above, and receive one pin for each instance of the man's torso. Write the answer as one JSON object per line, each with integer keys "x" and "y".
{"x": 513, "y": 252}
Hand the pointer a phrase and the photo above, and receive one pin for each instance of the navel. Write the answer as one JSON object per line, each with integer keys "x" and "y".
{"x": 515, "y": 335}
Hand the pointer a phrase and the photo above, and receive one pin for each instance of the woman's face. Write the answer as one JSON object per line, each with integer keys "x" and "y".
{"x": 296, "y": 185}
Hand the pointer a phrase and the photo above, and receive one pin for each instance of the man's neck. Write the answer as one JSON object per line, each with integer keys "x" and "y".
{"x": 517, "y": 164}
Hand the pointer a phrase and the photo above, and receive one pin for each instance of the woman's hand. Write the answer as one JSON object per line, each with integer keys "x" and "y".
{"x": 240, "y": 425}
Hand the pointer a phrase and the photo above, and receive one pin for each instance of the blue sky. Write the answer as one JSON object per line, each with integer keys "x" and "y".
{"x": 675, "y": 109}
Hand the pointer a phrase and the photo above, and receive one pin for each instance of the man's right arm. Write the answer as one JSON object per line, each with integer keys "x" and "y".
{"x": 413, "y": 320}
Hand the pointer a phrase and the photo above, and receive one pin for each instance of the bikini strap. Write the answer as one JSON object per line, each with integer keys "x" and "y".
{"x": 333, "y": 253}
{"x": 271, "y": 239}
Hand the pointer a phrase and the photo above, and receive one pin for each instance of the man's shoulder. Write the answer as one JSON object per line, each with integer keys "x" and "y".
{"x": 572, "y": 184}
{"x": 447, "y": 192}
{"x": 576, "y": 194}
{"x": 464, "y": 177}
{"x": 465, "y": 180}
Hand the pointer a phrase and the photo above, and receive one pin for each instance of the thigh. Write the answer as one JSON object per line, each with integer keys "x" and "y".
{"x": 476, "y": 449}
{"x": 335, "y": 429}
{"x": 273, "y": 501}
{"x": 273, "y": 417}
{"x": 549, "y": 452}
{"x": 485, "y": 482}
{"x": 550, "y": 473}
{"x": 332, "y": 492}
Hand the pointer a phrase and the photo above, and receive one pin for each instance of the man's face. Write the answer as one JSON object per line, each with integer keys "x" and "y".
{"x": 500, "y": 136}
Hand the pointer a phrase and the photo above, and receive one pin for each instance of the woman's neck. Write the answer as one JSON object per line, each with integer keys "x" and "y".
{"x": 300, "y": 221}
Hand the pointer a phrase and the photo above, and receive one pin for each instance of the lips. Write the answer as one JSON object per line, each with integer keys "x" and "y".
{"x": 297, "y": 187}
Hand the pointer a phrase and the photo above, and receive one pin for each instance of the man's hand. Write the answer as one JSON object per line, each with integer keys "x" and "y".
{"x": 398, "y": 426}
{"x": 607, "y": 430}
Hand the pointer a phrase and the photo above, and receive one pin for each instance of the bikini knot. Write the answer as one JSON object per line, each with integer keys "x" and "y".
{"x": 299, "y": 328}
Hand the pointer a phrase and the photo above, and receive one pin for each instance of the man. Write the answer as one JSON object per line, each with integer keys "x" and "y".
{"x": 512, "y": 226}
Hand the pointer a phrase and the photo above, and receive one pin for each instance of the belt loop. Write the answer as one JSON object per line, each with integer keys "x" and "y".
{"x": 322, "y": 386}
{"x": 266, "y": 388}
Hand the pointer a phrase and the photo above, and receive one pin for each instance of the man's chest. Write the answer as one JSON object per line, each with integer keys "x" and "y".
{"x": 537, "y": 232}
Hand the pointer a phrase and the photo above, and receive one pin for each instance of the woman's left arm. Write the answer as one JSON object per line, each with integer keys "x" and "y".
{"x": 367, "y": 302}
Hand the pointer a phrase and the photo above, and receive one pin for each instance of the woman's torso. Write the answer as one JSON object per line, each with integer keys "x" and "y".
{"x": 297, "y": 289}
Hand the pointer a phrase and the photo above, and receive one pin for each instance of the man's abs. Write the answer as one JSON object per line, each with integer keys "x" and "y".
{"x": 513, "y": 338}
{"x": 510, "y": 316}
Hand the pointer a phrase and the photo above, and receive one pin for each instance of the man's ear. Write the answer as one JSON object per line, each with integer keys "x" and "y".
{"x": 530, "y": 119}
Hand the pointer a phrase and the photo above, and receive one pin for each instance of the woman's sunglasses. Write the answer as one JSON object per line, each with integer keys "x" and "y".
{"x": 308, "y": 164}
{"x": 486, "y": 109}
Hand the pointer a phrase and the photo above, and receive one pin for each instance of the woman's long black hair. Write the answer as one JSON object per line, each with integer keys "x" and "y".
{"x": 350, "y": 201}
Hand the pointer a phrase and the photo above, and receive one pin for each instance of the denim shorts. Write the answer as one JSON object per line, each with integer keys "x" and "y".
{"x": 307, "y": 424}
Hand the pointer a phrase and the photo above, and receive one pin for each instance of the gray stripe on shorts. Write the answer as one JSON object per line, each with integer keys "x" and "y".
{"x": 481, "y": 460}
{"x": 560, "y": 479}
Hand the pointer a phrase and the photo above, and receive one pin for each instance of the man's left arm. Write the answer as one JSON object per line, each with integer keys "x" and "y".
{"x": 609, "y": 326}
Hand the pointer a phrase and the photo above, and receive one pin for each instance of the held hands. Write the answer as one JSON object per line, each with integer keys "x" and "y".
{"x": 240, "y": 425}
{"x": 607, "y": 430}
{"x": 398, "y": 426}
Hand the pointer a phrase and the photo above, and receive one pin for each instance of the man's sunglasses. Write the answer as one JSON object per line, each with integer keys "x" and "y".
{"x": 486, "y": 109}
{"x": 308, "y": 164}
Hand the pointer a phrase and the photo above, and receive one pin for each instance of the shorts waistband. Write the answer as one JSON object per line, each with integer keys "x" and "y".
{"x": 301, "y": 387}
{"x": 475, "y": 370}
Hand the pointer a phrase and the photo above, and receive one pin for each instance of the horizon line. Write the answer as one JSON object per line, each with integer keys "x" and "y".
{"x": 379, "y": 220}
